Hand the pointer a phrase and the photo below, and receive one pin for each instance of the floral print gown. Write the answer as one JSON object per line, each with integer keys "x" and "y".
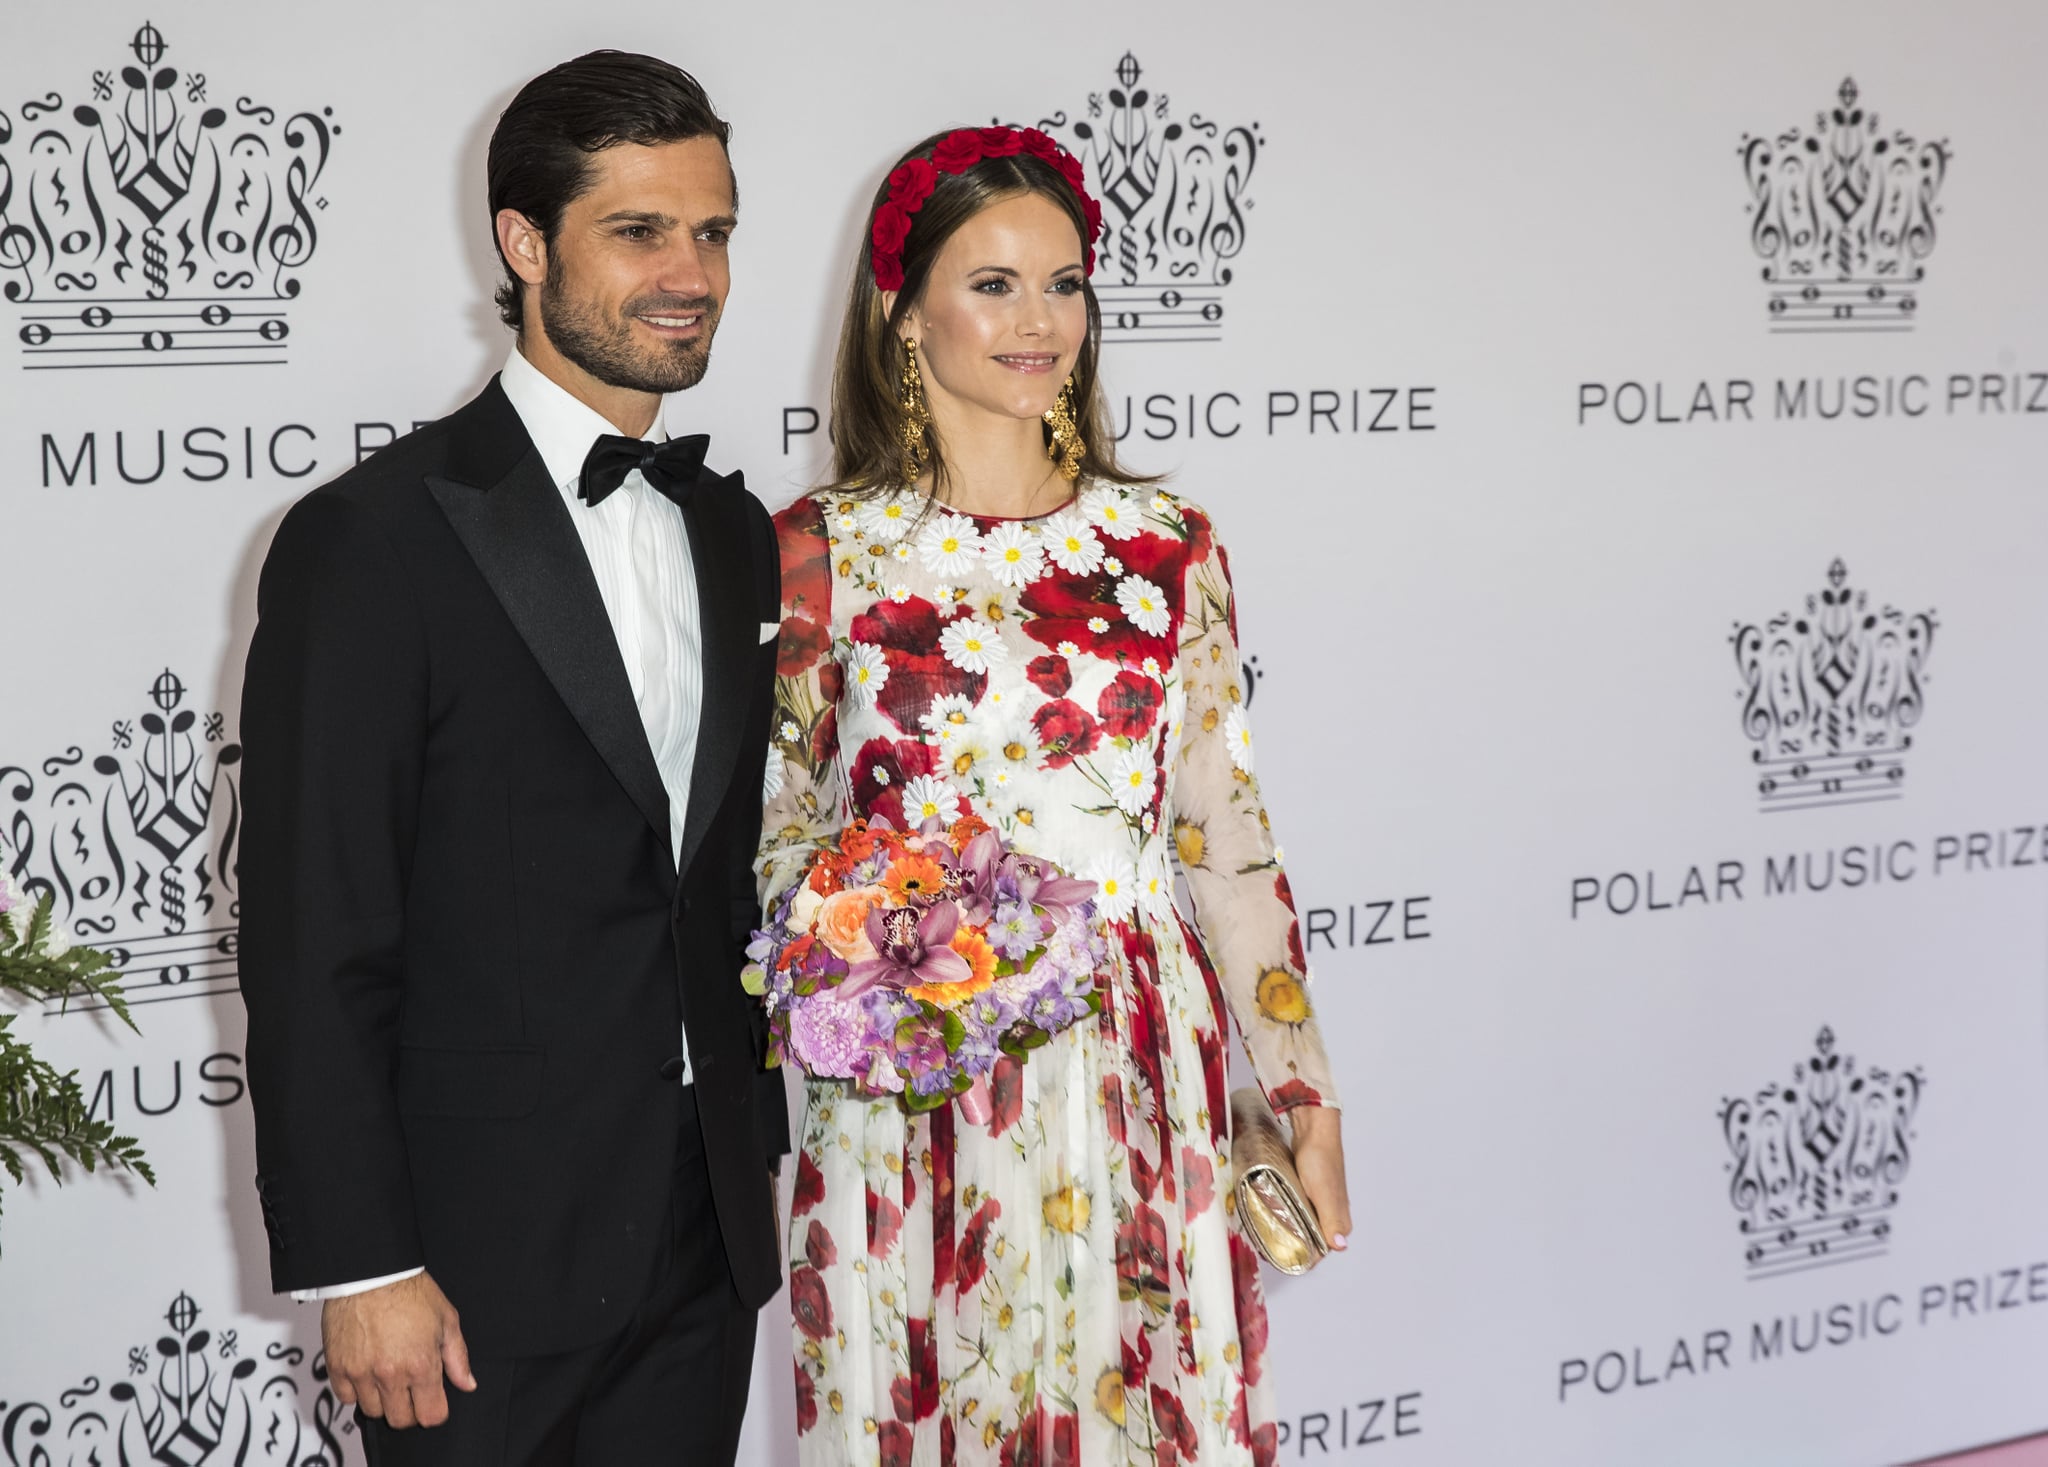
{"x": 1062, "y": 1284}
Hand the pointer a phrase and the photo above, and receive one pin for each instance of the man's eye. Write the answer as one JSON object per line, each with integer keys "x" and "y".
{"x": 636, "y": 231}
{"x": 716, "y": 236}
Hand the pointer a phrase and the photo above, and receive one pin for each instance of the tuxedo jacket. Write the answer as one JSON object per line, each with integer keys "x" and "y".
{"x": 467, "y": 949}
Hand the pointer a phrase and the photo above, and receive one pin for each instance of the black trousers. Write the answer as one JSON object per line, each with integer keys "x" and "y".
{"x": 669, "y": 1391}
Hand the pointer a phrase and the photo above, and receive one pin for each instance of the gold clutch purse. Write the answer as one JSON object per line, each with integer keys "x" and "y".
{"x": 1271, "y": 1207}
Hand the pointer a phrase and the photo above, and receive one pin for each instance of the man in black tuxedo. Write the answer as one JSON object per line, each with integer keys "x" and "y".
{"x": 504, "y": 721}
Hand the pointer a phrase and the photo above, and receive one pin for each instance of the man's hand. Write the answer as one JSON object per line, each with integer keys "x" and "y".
{"x": 1319, "y": 1162}
{"x": 387, "y": 1348}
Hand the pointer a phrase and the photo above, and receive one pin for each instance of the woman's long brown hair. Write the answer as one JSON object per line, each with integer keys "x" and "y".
{"x": 867, "y": 441}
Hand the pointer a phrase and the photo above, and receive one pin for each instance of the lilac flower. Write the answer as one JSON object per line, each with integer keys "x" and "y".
{"x": 910, "y": 949}
{"x": 1016, "y": 930}
{"x": 924, "y": 1055}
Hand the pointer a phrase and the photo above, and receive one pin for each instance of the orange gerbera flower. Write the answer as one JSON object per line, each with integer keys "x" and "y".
{"x": 914, "y": 876}
{"x": 972, "y": 946}
{"x": 857, "y": 842}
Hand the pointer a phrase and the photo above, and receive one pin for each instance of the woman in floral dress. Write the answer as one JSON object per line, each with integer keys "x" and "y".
{"x": 984, "y": 615}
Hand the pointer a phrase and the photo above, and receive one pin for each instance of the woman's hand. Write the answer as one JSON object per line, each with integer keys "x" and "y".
{"x": 1319, "y": 1161}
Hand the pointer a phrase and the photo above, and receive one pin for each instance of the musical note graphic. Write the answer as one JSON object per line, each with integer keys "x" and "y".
{"x": 144, "y": 228}
{"x": 155, "y": 333}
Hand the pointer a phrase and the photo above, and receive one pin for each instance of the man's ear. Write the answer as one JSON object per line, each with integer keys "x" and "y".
{"x": 524, "y": 247}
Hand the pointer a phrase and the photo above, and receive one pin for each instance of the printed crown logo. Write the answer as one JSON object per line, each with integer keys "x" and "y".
{"x": 1174, "y": 205}
{"x": 1815, "y": 1166}
{"x": 141, "y": 226}
{"x": 1830, "y": 697}
{"x": 1843, "y": 216}
{"x": 137, "y": 847}
{"x": 204, "y": 1401}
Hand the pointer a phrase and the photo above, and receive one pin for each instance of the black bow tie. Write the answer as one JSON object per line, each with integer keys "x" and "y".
{"x": 671, "y": 467}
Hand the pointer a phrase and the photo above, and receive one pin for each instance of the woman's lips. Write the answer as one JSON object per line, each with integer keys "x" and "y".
{"x": 1034, "y": 362}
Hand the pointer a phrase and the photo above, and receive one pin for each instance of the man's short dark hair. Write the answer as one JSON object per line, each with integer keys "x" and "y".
{"x": 542, "y": 149}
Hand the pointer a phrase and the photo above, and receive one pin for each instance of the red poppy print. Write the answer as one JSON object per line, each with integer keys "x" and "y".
{"x": 973, "y": 1260}
{"x": 1066, "y": 731}
{"x": 1289, "y": 1093}
{"x": 1141, "y": 1257}
{"x": 1251, "y": 1307}
{"x": 1200, "y": 535}
{"x": 892, "y": 1444}
{"x": 882, "y": 768}
{"x": 1286, "y": 894}
{"x": 810, "y": 1185}
{"x": 918, "y": 670}
{"x": 1137, "y": 1360}
{"x": 1223, "y": 561}
{"x": 806, "y": 560}
{"x": 1066, "y": 1441}
{"x": 1215, "y": 1082}
{"x": 924, "y": 1367}
{"x": 818, "y": 1248}
{"x": 809, "y": 1303}
{"x": 825, "y": 737}
{"x": 1113, "y": 1108}
{"x": 1130, "y": 705}
{"x": 1172, "y": 1420}
{"x": 1198, "y": 1182}
{"x": 885, "y": 1224}
{"x": 1184, "y": 1335}
{"x": 1006, "y": 1095}
{"x": 1063, "y": 606}
{"x": 1266, "y": 1445}
{"x": 903, "y": 1399}
{"x": 1050, "y": 675}
{"x": 806, "y": 1400}
{"x": 1020, "y": 1447}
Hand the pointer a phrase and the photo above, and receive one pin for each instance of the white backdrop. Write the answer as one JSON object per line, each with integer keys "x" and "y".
{"x": 1509, "y": 447}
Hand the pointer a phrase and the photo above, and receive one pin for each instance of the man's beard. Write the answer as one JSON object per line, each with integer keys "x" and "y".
{"x": 605, "y": 348}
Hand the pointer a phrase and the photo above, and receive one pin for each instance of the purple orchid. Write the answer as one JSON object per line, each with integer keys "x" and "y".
{"x": 910, "y": 949}
{"x": 976, "y": 870}
{"x": 1060, "y": 896}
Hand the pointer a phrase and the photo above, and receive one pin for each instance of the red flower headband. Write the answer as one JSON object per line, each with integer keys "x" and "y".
{"x": 913, "y": 181}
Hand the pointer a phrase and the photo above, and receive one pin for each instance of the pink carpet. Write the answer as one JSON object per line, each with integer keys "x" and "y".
{"x": 2032, "y": 1452}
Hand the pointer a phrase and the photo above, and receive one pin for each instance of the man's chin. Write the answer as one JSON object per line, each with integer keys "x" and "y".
{"x": 674, "y": 370}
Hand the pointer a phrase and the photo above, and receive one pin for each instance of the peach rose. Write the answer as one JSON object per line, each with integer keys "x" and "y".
{"x": 842, "y": 922}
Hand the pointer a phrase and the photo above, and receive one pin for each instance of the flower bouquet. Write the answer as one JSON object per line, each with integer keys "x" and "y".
{"x": 907, "y": 962}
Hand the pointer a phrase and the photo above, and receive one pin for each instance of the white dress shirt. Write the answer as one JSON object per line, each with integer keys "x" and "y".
{"x": 639, "y": 550}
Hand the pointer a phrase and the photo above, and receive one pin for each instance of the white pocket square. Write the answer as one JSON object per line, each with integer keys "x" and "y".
{"x": 770, "y": 630}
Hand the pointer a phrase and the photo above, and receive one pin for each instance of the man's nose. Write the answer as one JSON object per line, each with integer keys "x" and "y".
{"x": 682, "y": 271}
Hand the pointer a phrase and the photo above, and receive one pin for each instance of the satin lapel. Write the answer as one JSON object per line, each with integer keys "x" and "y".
{"x": 518, "y": 532}
{"x": 721, "y": 555}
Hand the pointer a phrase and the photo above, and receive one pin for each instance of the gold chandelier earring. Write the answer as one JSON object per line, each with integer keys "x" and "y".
{"x": 917, "y": 417}
{"x": 1066, "y": 446}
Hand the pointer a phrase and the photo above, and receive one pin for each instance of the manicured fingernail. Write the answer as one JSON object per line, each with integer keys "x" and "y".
{"x": 1340, "y": 1242}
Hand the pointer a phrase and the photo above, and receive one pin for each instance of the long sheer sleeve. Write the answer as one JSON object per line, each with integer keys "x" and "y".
{"x": 1225, "y": 845}
{"x": 802, "y": 796}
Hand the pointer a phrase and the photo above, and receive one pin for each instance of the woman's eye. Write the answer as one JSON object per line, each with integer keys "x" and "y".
{"x": 1069, "y": 286}
{"x": 995, "y": 285}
